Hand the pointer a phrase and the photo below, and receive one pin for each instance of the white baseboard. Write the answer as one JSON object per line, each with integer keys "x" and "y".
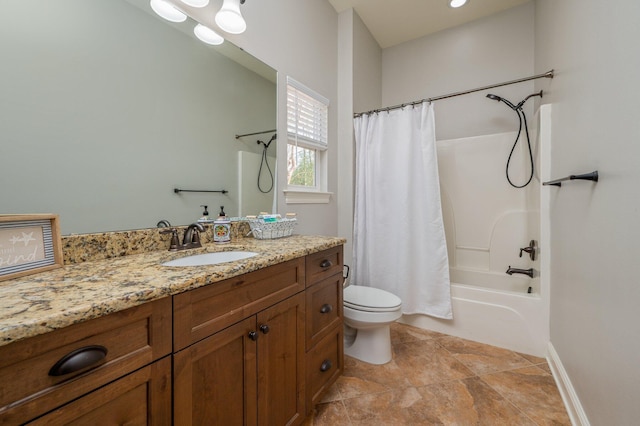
{"x": 571, "y": 402}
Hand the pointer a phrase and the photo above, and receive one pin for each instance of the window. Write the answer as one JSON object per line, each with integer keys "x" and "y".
{"x": 307, "y": 125}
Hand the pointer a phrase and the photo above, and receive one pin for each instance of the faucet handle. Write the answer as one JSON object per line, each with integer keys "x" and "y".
{"x": 195, "y": 238}
{"x": 531, "y": 249}
{"x": 175, "y": 240}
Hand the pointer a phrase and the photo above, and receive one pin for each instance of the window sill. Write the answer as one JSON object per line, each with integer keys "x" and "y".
{"x": 307, "y": 197}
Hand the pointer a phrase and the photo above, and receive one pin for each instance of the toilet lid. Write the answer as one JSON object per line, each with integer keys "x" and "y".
{"x": 370, "y": 299}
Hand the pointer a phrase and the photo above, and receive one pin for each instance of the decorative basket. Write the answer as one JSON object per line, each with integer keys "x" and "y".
{"x": 270, "y": 230}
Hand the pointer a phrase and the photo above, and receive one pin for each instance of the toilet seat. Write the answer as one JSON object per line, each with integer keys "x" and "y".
{"x": 370, "y": 299}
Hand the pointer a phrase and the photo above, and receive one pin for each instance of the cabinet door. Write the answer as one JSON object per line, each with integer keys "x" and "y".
{"x": 140, "y": 398}
{"x": 324, "y": 308}
{"x": 132, "y": 338}
{"x": 281, "y": 363}
{"x": 215, "y": 379}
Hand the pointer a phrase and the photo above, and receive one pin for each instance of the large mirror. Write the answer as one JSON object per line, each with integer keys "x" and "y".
{"x": 105, "y": 108}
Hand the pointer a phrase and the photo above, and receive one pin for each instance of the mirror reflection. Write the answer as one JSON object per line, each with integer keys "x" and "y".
{"x": 105, "y": 108}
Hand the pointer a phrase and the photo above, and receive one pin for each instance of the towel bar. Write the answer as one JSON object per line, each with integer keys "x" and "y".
{"x": 593, "y": 176}
{"x": 177, "y": 191}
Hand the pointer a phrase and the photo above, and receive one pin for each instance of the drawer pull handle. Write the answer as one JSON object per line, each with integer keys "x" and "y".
{"x": 78, "y": 360}
{"x": 253, "y": 335}
{"x": 326, "y": 264}
{"x": 326, "y": 308}
{"x": 326, "y": 365}
{"x": 264, "y": 328}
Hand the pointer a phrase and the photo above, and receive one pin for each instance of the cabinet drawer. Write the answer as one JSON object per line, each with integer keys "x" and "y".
{"x": 323, "y": 264}
{"x": 324, "y": 308}
{"x": 140, "y": 398}
{"x": 204, "y": 311}
{"x": 324, "y": 366}
{"x": 132, "y": 338}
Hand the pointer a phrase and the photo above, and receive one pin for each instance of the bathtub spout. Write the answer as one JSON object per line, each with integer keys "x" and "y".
{"x": 528, "y": 272}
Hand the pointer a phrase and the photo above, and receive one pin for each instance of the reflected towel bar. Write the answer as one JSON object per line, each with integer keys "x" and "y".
{"x": 593, "y": 176}
{"x": 177, "y": 191}
{"x": 256, "y": 133}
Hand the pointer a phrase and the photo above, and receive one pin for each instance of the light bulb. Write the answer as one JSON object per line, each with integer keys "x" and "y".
{"x": 457, "y": 3}
{"x": 167, "y": 11}
{"x": 207, "y": 35}
{"x": 196, "y": 3}
{"x": 229, "y": 18}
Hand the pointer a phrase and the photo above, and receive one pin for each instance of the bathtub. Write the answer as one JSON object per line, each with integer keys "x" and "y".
{"x": 493, "y": 308}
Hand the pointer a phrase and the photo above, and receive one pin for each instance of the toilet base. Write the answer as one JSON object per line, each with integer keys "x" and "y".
{"x": 372, "y": 345}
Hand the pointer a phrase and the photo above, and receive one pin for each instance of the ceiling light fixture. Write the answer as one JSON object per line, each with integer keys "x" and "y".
{"x": 229, "y": 18}
{"x": 207, "y": 35}
{"x": 167, "y": 11}
{"x": 196, "y": 3}
{"x": 457, "y": 3}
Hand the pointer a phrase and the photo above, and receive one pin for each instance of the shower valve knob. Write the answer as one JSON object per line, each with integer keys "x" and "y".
{"x": 531, "y": 249}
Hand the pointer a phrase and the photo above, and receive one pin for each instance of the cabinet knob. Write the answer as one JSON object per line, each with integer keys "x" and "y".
{"x": 326, "y": 308}
{"x": 253, "y": 335}
{"x": 326, "y": 264}
{"x": 326, "y": 365}
{"x": 78, "y": 360}
{"x": 264, "y": 328}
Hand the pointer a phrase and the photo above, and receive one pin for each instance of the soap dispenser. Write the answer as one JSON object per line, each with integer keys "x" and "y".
{"x": 205, "y": 215}
{"x": 221, "y": 228}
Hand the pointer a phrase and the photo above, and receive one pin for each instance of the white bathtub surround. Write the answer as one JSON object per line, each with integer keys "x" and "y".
{"x": 399, "y": 242}
{"x": 487, "y": 222}
{"x": 500, "y": 318}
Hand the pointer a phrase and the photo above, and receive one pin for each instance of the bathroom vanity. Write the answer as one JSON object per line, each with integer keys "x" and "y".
{"x": 128, "y": 340}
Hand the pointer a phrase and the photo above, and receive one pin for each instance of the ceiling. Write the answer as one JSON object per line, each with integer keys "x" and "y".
{"x": 393, "y": 22}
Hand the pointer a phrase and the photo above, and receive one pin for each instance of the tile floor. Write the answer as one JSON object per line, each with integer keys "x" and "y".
{"x": 436, "y": 379}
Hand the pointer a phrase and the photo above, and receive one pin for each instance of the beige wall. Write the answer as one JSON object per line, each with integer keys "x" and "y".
{"x": 595, "y": 319}
{"x": 487, "y": 51}
{"x": 359, "y": 81}
{"x": 304, "y": 48}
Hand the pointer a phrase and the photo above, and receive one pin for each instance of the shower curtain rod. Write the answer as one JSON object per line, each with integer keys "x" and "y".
{"x": 548, "y": 74}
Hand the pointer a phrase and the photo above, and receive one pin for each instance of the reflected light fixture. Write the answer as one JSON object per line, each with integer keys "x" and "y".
{"x": 167, "y": 11}
{"x": 207, "y": 35}
{"x": 457, "y": 3}
{"x": 196, "y": 3}
{"x": 229, "y": 18}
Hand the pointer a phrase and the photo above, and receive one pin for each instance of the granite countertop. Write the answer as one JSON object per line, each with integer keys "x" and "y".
{"x": 51, "y": 300}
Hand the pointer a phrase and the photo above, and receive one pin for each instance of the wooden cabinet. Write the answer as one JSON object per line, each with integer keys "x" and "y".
{"x": 140, "y": 398}
{"x": 324, "y": 332}
{"x": 48, "y": 371}
{"x": 216, "y": 378}
{"x": 257, "y": 349}
{"x": 253, "y": 371}
{"x": 281, "y": 363}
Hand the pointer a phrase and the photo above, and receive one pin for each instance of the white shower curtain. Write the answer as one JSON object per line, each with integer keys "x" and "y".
{"x": 399, "y": 243}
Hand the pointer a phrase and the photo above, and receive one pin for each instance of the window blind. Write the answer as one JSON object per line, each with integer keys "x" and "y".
{"x": 307, "y": 114}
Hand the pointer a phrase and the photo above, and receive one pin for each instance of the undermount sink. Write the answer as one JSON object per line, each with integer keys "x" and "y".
{"x": 211, "y": 258}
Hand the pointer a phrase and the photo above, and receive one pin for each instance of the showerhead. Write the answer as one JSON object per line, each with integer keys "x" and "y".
{"x": 498, "y": 98}
{"x": 512, "y": 106}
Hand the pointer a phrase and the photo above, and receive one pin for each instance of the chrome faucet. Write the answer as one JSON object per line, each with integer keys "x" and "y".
{"x": 528, "y": 272}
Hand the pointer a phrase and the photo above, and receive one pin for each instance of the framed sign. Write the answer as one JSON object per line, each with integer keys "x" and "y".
{"x": 29, "y": 244}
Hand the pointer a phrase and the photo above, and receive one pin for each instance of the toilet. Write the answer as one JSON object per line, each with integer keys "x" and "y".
{"x": 368, "y": 313}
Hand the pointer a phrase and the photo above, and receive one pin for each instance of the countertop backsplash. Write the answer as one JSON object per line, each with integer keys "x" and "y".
{"x": 78, "y": 248}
